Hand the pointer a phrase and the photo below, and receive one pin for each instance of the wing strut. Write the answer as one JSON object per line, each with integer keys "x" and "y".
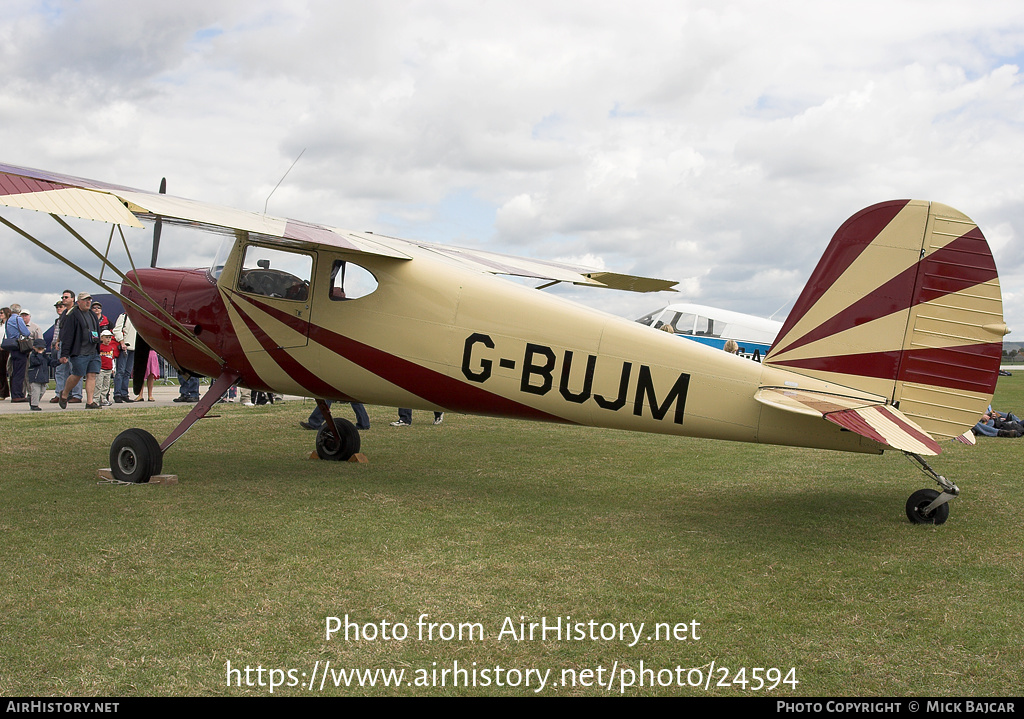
{"x": 178, "y": 331}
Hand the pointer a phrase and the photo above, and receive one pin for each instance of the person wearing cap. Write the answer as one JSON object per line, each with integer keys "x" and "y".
{"x": 97, "y": 309}
{"x": 58, "y": 307}
{"x": 34, "y": 330}
{"x": 108, "y": 351}
{"x": 79, "y": 347}
{"x": 38, "y": 373}
{"x": 61, "y": 373}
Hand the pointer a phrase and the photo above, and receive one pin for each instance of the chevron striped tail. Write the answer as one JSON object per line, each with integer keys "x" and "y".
{"x": 905, "y": 303}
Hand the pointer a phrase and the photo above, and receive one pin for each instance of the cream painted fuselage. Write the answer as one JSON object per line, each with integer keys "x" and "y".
{"x": 435, "y": 335}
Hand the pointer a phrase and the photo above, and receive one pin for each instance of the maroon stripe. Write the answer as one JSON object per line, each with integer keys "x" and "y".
{"x": 849, "y": 241}
{"x": 306, "y": 232}
{"x": 66, "y": 180}
{"x": 435, "y": 387}
{"x": 869, "y": 364}
{"x": 951, "y": 269}
{"x": 894, "y": 295}
{"x": 855, "y": 423}
{"x": 296, "y": 370}
{"x": 917, "y": 434}
{"x": 15, "y": 185}
{"x": 971, "y": 367}
{"x": 963, "y": 263}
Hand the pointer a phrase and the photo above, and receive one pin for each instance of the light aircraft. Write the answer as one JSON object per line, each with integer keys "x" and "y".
{"x": 894, "y": 343}
{"x": 714, "y": 327}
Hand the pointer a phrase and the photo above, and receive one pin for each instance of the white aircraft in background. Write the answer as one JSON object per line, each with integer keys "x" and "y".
{"x": 714, "y": 327}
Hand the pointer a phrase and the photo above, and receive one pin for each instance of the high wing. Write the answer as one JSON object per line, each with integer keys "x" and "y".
{"x": 58, "y": 194}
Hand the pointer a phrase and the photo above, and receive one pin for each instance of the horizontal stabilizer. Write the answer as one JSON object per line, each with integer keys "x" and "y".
{"x": 869, "y": 417}
{"x": 967, "y": 438}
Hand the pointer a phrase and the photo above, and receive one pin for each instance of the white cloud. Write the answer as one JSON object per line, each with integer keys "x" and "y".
{"x": 716, "y": 143}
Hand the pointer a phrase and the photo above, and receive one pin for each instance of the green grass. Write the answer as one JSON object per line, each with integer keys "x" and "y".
{"x": 786, "y": 557}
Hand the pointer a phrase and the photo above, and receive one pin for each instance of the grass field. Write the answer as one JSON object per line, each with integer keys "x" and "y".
{"x": 787, "y": 558}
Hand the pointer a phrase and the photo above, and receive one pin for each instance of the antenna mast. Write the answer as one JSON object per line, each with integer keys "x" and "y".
{"x": 265, "y": 204}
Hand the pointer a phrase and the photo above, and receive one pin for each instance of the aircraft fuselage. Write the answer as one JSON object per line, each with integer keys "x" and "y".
{"x": 434, "y": 335}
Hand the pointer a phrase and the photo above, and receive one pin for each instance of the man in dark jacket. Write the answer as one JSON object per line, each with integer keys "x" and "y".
{"x": 79, "y": 346}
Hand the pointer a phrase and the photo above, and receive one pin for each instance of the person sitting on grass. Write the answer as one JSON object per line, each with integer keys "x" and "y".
{"x": 999, "y": 424}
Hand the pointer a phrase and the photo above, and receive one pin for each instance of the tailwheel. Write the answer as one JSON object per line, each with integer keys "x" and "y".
{"x": 135, "y": 456}
{"x": 339, "y": 445}
{"x": 926, "y": 506}
{"x": 917, "y": 508}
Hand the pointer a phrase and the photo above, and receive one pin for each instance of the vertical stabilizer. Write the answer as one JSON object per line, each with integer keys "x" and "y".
{"x": 905, "y": 303}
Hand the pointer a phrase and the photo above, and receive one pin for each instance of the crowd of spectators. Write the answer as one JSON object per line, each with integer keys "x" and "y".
{"x": 91, "y": 358}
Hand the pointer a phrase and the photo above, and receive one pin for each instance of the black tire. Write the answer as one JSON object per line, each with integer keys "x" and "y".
{"x": 157, "y": 453}
{"x": 327, "y": 447}
{"x": 135, "y": 456}
{"x": 921, "y": 499}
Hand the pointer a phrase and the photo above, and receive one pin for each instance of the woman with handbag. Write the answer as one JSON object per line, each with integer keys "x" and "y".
{"x": 5, "y": 388}
{"x": 16, "y": 334}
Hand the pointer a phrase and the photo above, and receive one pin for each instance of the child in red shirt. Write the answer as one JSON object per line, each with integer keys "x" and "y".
{"x": 109, "y": 349}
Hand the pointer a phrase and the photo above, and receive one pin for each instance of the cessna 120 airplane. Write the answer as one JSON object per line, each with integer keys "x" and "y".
{"x": 894, "y": 343}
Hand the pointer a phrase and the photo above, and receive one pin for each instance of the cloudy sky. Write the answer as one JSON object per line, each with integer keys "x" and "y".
{"x": 719, "y": 144}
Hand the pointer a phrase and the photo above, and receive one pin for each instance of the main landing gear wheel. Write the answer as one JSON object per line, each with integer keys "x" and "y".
{"x": 135, "y": 456}
{"x": 328, "y": 446}
{"x": 917, "y": 508}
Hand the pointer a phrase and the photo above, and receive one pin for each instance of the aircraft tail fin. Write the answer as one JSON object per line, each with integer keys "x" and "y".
{"x": 905, "y": 304}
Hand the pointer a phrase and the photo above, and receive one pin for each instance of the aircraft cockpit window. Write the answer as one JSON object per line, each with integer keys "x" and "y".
{"x": 706, "y": 327}
{"x": 217, "y": 267}
{"x": 350, "y": 281}
{"x": 276, "y": 273}
{"x": 648, "y": 319}
{"x": 684, "y": 323}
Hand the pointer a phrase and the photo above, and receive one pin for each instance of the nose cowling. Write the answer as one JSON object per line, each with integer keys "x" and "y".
{"x": 192, "y": 299}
